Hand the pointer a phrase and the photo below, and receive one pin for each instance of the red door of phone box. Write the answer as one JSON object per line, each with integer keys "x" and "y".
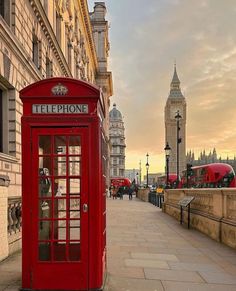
{"x": 64, "y": 154}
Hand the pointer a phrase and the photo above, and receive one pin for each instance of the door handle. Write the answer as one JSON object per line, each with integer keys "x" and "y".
{"x": 85, "y": 207}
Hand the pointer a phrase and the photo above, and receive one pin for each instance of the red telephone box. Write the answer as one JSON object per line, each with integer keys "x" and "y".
{"x": 63, "y": 186}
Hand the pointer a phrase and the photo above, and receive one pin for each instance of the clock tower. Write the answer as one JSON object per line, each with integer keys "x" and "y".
{"x": 176, "y": 103}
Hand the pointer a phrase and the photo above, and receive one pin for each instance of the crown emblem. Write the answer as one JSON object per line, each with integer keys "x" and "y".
{"x": 59, "y": 90}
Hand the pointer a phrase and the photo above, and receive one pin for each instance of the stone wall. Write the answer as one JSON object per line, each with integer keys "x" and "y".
{"x": 14, "y": 224}
{"x": 213, "y": 211}
{"x": 143, "y": 194}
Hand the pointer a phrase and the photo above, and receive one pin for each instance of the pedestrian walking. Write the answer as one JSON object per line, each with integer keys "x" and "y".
{"x": 121, "y": 193}
{"x": 114, "y": 192}
{"x": 130, "y": 193}
{"x": 110, "y": 191}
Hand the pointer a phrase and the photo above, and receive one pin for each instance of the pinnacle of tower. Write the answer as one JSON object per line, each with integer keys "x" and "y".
{"x": 175, "y": 90}
{"x": 175, "y": 78}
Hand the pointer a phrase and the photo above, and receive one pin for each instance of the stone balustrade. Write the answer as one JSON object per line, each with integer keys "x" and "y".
{"x": 14, "y": 223}
{"x": 213, "y": 211}
{"x": 14, "y": 216}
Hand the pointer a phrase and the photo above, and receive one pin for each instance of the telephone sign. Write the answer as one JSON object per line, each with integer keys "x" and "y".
{"x": 59, "y": 108}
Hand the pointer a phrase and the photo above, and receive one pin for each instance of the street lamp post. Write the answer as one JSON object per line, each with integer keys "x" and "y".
{"x": 178, "y": 141}
{"x": 147, "y": 167}
{"x": 140, "y": 173}
{"x": 167, "y": 152}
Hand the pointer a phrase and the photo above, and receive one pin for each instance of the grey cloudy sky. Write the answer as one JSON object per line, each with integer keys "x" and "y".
{"x": 146, "y": 37}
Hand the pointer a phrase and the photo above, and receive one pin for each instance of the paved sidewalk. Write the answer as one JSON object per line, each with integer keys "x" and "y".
{"x": 149, "y": 251}
{"x": 10, "y": 273}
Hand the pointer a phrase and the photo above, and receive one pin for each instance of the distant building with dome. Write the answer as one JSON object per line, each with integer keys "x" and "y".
{"x": 117, "y": 142}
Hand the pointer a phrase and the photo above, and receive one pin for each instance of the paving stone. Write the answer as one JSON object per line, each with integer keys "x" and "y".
{"x": 134, "y": 248}
{"x": 195, "y": 259}
{"x": 127, "y": 284}
{"x": 161, "y": 257}
{"x": 188, "y": 251}
{"x": 221, "y": 278}
{"x": 10, "y": 267}
{"x": 195, "y": 267}
{"x": 118, "y": 254}
{"x": 187, "y": 286}
{"x": 146, "y": 263}
{"x": 229, "y": 268}
{"x": 174, "y": 275}
{"x": 7, "y": 278}
{"x": 231, "y": 260}
{"x": 224, "y": 250}
{"x": 162, "y": 250}
{"x": 126, "y": 272}
{"x": 12, "y": 288}
{"x": 152, "y": 245}
{"x": 2, "y": 287}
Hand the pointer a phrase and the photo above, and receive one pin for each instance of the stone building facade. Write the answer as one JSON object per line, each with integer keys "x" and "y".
{"x": 175, "y": 102}
{"x": 117, "y": 143}
{"x": 41, "y": 39}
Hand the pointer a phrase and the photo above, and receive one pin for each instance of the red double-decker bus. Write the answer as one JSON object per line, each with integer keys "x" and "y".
{"x": 215, "y": 175}
{"x": 118, "y": 182}
{"x": 121, "y": 186}
{"x": 173, "y": 182}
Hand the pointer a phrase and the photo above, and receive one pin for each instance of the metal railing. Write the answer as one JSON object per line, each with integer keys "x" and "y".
{"x": 156, "y": 199}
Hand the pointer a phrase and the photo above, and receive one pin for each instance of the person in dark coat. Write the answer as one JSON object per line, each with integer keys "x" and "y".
{"x": 131, "y": 193}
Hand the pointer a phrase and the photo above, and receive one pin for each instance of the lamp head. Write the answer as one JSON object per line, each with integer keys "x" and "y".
{"x": 178, "y": 116}
{"x": 167, "y": 150}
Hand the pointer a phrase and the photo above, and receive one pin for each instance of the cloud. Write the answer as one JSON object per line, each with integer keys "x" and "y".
{"x": 145, "y": 41}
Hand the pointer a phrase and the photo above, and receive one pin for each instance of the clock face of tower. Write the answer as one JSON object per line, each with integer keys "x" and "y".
{"x": 174, "y": 109}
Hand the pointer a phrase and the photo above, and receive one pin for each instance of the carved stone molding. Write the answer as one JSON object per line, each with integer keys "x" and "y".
{"x": 48, "y": 31}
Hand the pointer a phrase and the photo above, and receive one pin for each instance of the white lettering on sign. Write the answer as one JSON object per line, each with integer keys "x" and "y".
{"x": 60, "y": 108}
